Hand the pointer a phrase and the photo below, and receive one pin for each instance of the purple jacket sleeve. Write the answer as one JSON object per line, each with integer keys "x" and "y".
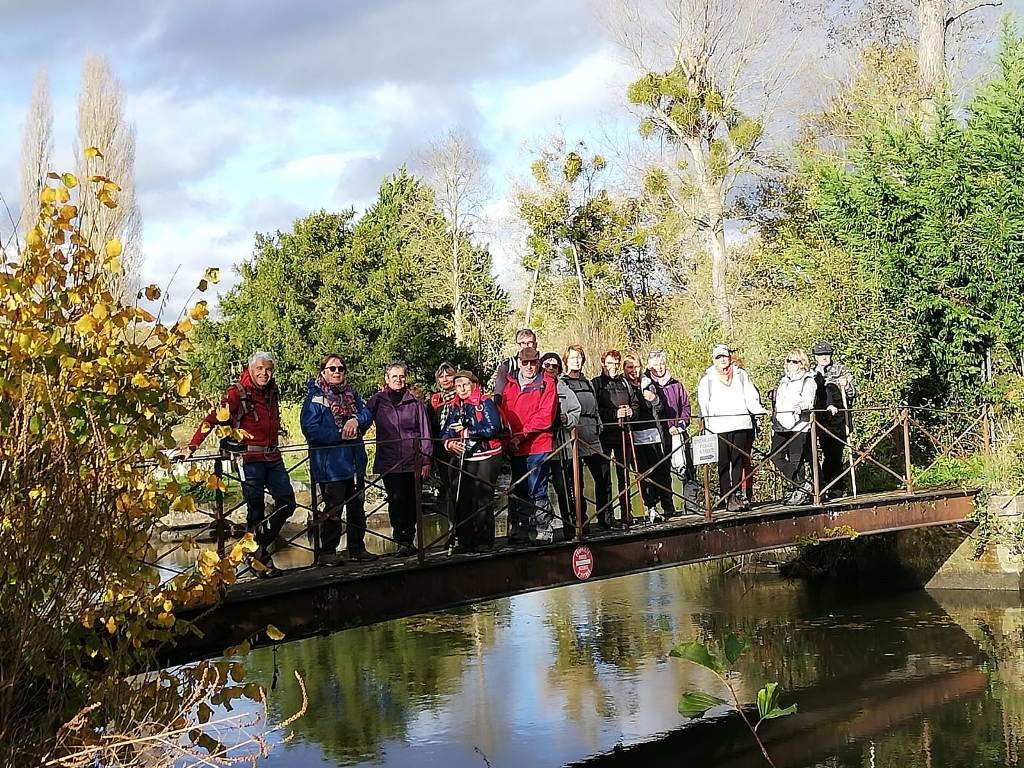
{"x": 684, "y": 408}
{"x": 426, "y": 446}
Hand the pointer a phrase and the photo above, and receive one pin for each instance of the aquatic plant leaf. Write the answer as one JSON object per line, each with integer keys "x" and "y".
{"x": 696, "y": 703}
{"x": 698, "y": 654}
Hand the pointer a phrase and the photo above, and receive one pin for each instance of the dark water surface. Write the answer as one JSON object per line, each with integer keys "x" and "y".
{"x": 569, "y": 675}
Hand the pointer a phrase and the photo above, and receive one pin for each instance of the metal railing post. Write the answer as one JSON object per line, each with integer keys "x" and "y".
{"x": 218, "y": 472}
{"x": 318, "y": 520}
{"x": 417, "y": 481}
{"x": 706, "y": 472}
{"x": 906, "y": 450}
{"x": 577, "y": 484}
{"x": 815, "y": 468}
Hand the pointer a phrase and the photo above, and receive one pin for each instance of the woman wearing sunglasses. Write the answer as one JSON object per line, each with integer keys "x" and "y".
{"x": 792, "y": 404}
{"x": 561, "y": 467}
{"x": 333, "y": 420}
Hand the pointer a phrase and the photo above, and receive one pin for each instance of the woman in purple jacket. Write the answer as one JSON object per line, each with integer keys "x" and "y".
{"x": 674, "y": 414}
{"x": 403, "y": 431}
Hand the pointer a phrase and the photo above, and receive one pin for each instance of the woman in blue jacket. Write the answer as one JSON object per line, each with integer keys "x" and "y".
{"x": 333, "y": 420}
{"x": 471, "y": 433}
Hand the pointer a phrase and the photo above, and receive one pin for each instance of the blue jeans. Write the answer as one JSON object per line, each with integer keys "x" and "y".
{"x": 529, "y": 512}
{"x": 274, "y": 477}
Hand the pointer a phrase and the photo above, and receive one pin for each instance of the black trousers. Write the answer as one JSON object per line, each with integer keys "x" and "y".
{"x": 401, "y": 491}
{"x": 474, "y": 507}
{"x": 561, "y": 478}
{"x": 623, "y": 458}
{"x": 657, "y": 486}
{"x": 446, "y": 476}
{"x": 348, "y": 496}
{"x": 733, "y": 448}
{"x": 832, "y": 455}
{"x": 791, "y": 459}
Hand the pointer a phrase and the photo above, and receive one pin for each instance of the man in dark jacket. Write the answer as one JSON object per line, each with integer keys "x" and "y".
{"x": 333, "y": 420}
{"x": 404, "y": 441}
{"x": 252, "y": 405}
{"x": 840, "y": 392}
{"x": 525, "y": 338}
{"x": 616, "y": 402}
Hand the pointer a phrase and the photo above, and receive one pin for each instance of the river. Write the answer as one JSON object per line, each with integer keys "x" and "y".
{"x": 582, "y": 675}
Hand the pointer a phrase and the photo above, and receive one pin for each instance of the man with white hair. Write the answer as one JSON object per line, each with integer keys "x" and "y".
{"x": 252, "y": 405}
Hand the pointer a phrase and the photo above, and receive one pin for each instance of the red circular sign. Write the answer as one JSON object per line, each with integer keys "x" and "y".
{"x": 582, "y": 563}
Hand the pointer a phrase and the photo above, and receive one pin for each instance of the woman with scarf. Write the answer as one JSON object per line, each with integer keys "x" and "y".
{"x": 729, "y": 402}
{"x": 616, "y": 402}
{"x": 403, "y": 444}
{"x": 445, "y": 472}
{"x": 588, "y": 438}
{"x": 646, "y": 443}
{"x": 471, "y": 432}
{"x": 675, "y": 415}
{"x": 561, "y": 456}
{"x": 333, "y": 419}
{"x": 792, "y": 404}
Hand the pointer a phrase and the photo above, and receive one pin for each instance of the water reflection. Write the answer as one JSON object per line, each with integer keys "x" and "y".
{"x": 566, "y": 675}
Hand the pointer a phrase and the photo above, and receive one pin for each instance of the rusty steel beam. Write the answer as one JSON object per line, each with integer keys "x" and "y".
{"x": 318, "y": 600}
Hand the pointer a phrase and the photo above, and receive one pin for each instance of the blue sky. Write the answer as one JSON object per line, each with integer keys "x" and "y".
{"x": 250, "y": 114}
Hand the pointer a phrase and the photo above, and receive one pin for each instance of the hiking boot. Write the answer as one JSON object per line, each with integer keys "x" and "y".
{"x": 405, "y": 550}
{"x": 330, "y": 559}
{"x": 744, "y": 502}
{"x": 362, "y": 556}
{"x": 733, "y": 505}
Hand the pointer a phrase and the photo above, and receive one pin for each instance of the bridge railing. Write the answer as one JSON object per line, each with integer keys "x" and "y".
{"x": 883, "y": 460}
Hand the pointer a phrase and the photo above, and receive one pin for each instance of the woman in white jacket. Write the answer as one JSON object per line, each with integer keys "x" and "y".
{"x": 792, "y": 404}
{"x": 729, "y": 401}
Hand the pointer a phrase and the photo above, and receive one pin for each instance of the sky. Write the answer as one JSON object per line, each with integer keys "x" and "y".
{"x": 252, "y": 114}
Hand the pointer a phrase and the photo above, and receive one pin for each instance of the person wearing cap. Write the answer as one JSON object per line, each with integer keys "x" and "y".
{"x": 616, "y": 402}
{"x": 471, "y": 432}
{"x": 333, "y": 420}
{"x": 729, "y": 403}
{"x": 510, "y": 366}
{"x": 675, "y": 413}
{"x": 561, "y": 469}
{"x": 646, "y": 443}
{"x": 530, "y": 408}
{"x": 438, "y": 405}
{"x": 840, "y": 390}
{"x": 403, "y": 443}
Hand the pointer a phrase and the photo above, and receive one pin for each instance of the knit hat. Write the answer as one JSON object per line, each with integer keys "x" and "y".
{"x": 467, "y": 375}
{"x": 822, "y": 348}
{"x": 720, "y": 350}
{"x": 444, "y": 366}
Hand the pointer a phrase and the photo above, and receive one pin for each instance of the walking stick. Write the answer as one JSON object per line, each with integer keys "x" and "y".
{"x": 627, "y": 511}
{"x": 849, "y": 439}
{"x": 455, "y": 503}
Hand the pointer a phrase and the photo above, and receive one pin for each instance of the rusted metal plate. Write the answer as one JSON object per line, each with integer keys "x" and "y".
{"x": 315, "y": 601}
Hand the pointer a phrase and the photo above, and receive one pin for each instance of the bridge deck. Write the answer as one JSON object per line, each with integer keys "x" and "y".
{"x": 316, "y": 600}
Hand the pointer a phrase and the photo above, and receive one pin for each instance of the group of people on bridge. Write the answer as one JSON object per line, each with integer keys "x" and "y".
{"x": 548, "y": 419}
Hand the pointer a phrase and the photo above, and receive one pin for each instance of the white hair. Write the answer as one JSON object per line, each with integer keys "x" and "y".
{"x": 259, "y": 354}
{"x": 657, "y": 356}
{"x": 396, "y": 364}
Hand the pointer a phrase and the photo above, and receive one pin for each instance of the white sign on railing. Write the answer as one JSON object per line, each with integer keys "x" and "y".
{"x": 705, "y": 449}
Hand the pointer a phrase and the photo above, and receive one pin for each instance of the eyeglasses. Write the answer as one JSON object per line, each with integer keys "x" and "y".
{"x": 791, "y": 360}
{"x": 527, "y": 362}
{"x": 335, "y": 368}
{"x": 551, "y": 364}
{"x": 719, "y": 357}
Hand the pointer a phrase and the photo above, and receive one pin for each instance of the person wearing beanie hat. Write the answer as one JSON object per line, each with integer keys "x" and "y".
{"x": 471, "y": 432}
{"x": 729, "y": 403}
{"x": 438, "y": 404}
{"x": 840, "y": 390}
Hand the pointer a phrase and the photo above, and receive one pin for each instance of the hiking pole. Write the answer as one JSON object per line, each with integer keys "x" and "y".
{"x": 455, "y": 504}
{"x": 627, "y": 510}
{"x": 638, "y": 474}
{"x": 849, "y": 439}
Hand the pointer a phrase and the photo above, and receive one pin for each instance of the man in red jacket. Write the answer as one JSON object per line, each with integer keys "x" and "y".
{"x": 530, "y": 408}
{"x": 252, "y": 405}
